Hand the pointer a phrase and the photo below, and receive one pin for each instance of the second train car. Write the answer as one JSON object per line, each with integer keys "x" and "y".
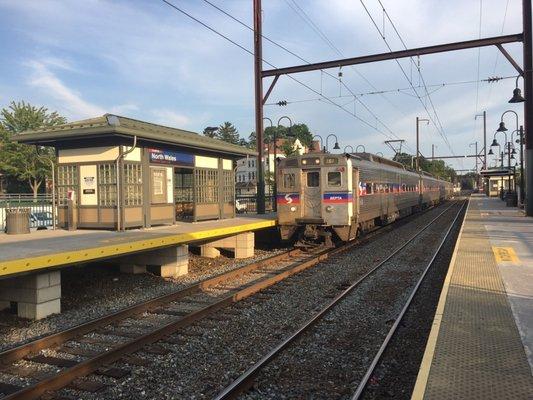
{"x": 320, "y": 194}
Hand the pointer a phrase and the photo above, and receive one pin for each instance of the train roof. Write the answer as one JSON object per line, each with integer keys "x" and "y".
{"x": 371, "y": 160}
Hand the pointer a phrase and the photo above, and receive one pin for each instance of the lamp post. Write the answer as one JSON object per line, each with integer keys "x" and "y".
{"x": 275, "y": 205}
{"x": 520, "y": 141}
{"x": 268, "y": 147}
{"x": 321, "y": 141}
{"x": 336, "y": 146}
{"x": 379, "y": 153}
{"x": 350, "y": 146}
{"x": 360, "y": 145}
{"x": 506, "y": 143}
{"x": 502, "y": 128}
{"x": 52, "y": 167}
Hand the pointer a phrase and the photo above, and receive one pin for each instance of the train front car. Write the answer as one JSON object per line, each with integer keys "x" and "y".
{"x": 315, "y": 197}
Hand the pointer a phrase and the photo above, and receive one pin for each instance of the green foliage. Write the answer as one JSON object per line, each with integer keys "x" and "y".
{"x": 287, "y": 148}
{"x": 226, "y": 132}
{"x": 22, "y": 161}
{"x": 437, "y": 168}
{"x": 298, "y": 131}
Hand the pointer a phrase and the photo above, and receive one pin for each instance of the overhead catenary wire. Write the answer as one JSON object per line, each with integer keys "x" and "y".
{"x": 379, "y": 120}
{"x": 273, "y": 66}
{"x": 404, "y": 89}
{"x": 434, "y": 119}
{"x": 307, "y": 19}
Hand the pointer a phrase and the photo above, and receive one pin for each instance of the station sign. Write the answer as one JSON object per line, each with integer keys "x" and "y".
{"x": 158, "y": 156}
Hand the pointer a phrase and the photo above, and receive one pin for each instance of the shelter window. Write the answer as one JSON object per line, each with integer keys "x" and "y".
{"x": 67, "y": 180}
{"x": 289, "y": 181}
{"x": 133, "y": 192}
{"x": 206, "y": 185}
{"x": 228, "y": 186}
{"x": 334, "y": 179}
{"x": 313, "y": 179}
{"x": 107, "y": 185}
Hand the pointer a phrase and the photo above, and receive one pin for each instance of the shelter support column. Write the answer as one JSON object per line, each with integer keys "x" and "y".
{"x": 37, "y": 295}
{"x": 242, "y": 245}
{"x": 170, "y": 262}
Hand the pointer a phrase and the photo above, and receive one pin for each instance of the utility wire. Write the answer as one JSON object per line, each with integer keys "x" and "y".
{"x": 273, "y": 66}
{"x": 307, "y": 62}
{"x": 437, "y": 123}
{"x": 307, "y": 19}
{"x": 437, "y": 86}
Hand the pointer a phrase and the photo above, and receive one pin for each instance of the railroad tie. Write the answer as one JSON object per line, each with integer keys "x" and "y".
{"x": 56, "y": 361}
{"x": 6, "y": 388}
{"x": 114, "y": 372}
{"x": 86, "y": 385}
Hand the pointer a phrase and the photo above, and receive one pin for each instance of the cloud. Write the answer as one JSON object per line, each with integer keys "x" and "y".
{"x": 170, "y": 118}
{"x": 70, "y": 100}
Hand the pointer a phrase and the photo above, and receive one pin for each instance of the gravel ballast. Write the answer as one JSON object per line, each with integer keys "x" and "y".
{"x": 214, "y": 351}
{"x": 93, "y": 291}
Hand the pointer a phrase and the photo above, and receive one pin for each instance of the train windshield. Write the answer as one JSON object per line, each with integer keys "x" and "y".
{"x": 313, "y": 179}
{"x": 334, "y": 179}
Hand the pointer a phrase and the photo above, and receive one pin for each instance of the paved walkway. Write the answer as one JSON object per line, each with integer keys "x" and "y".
{"x": 481, "y": 342}
{"x": 48, "y": 248}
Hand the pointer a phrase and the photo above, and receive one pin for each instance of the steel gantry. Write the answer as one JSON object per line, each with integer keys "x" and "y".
{"x": 526, "y": 72}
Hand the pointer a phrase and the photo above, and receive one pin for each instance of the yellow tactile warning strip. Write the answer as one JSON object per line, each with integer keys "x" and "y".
{"x": 505, "y": 255}
{"x": 19, "y": 265}
{"x": 474, "y": 350}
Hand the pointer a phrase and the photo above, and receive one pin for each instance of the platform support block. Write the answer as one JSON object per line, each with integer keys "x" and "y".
{"x": 37, "y": 295}
{"x": 169, "y": 262}
{"x": 242, "y": 246}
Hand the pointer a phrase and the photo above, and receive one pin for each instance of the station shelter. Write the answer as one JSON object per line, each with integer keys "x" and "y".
{"x": 119, "y": 172}
{"x": 498, "y": 179}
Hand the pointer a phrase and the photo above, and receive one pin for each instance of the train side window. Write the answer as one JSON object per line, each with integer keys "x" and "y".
{"x": 313, "y": 179}
{"x": 334, "y": 179}
{"x": 289, "y": 181}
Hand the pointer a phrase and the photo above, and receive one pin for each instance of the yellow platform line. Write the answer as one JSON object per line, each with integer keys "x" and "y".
{"x": 19, "y": 265}
{"x": 423, "y": 373}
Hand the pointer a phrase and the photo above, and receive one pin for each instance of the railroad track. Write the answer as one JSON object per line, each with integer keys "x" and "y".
{"x": 117, "y": 336}
{"x": 248, "y": 378}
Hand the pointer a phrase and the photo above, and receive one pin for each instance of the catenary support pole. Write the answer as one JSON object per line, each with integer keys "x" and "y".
{"x": 258, "y": 67}
{"x": 528, "y": 95}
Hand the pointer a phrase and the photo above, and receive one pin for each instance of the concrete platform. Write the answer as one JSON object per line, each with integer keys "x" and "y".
{"x": 481, "y": 342}
{"x": 47, "y": 249}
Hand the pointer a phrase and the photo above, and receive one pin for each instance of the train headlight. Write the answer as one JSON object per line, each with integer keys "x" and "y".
{"x": 293, "y": 209}
{"x": 329, "y": 208}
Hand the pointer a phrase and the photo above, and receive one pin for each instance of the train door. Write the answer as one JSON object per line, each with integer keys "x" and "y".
{"x": 357, "y": 187}
{"x": 312, "y": 194}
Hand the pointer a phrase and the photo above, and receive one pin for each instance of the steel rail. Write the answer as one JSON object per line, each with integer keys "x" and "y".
{"x": 65, "y": 377}
{"x": 90, "y": 365}
{"x": 364, "y": 382}
{"x": 246, "y": 379}
{"x": 55, "y": 339}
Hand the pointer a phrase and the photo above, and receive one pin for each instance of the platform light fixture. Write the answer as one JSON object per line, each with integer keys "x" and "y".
{"x": 517, "y": 94}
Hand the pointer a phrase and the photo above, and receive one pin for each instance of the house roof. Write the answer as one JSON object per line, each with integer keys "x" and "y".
{"x": 115, "y": 125}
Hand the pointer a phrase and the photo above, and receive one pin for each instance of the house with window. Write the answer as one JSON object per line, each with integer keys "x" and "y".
{"x": 246, "y": 170}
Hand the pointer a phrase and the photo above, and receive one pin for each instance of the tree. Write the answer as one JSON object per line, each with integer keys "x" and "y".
{"x": 252, "y": 140}
{"x": 228, "y": 133}
{"x": 19, "y": 160}
{"x": 437, "y": 168}
{"x": 211, "y": 132}
{"x": 287, "y": 148}
{"x": 298, "y": 131}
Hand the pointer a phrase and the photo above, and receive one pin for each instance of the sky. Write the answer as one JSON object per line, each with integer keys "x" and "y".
{"x": 145, "y": 60}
